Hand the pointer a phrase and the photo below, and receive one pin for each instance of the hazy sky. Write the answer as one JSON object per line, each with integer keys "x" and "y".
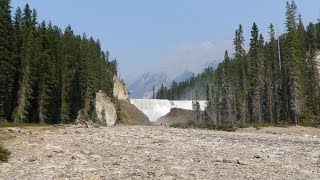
{"x": 149, "y": 35}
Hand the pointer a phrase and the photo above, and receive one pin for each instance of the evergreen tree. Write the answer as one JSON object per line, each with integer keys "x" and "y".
{"x": 241, "y": 78}
{"x": 7, "y": 60}
{"x": 272, "y": 79}
{"x": 228, "y": 95}
{"x": 255, "y": 57}
{"x": 25, "y": 83}
{"x": 293, "y": 60}
{"x": 17, "y": 52}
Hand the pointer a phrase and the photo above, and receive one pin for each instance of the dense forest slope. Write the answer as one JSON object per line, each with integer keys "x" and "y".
{"x": 277, "y": 79}
{"x": 48, "y": 75}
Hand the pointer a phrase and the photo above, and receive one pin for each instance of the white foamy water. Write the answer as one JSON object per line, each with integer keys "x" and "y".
{"x": 156, "y": 108}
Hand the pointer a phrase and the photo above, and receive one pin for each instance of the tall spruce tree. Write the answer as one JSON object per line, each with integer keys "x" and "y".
{"x": 228, "y": 91}
{"x": 7, "y": 60}
{"x": 272, "y": 78}
{"x": 242, "y": 79}
{"x": 255, "y": 75}
{"x": 25, "y": 83}
{"x": 293, "y": 61}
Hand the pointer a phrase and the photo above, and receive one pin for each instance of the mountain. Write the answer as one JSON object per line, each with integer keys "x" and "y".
{"x": 211, "y": 64}
{"x": 142, "y": 86}
{"x": 185, "y": 75}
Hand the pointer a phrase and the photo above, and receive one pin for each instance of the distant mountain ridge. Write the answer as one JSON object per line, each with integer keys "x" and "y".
{"x": 142, "y": 86}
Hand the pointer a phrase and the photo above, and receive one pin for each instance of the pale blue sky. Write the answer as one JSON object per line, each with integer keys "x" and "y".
{"x": 146, "y": 34}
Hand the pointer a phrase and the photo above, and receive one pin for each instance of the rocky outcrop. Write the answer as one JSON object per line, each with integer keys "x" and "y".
{"x": 119, "y": 89}
{"x": 132, "y": 115}
{"x": 107, "y": 115}
{"x": 177, "y": 116}
{"x": 105, "y": 109}
{"x": 318, "y": 61}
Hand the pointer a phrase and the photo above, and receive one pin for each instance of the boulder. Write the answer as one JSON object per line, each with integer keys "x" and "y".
{"x": 14, "y": 130}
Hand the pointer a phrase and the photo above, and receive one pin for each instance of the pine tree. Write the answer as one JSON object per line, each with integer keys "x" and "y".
{"x": 228, "y": 95}
{"x": 255, "y": 74}
{"x": 36, "y": 111}
{"x": 296, "y": 104}
{"x": 25, "y": 82}
{"x": 17, "y": 31}
{"x": 7, "y": 60}
{"x": 241, "y": 80}
{"x": 272, "y": 79}
{"x": 44, "y": 76}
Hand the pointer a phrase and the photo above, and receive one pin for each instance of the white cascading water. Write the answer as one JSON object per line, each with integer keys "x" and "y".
{"x": 156, "y": 108}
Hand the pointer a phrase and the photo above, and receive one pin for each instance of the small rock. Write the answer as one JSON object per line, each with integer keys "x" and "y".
{"x": 47, "y": 131}
{"x": 33, "y": 145}
{"x": 257, "y": 156}
{"x": 116, "y": 164}
{"x": 226, "y": 160}
{"x": 49, "y": 155}
{"x": 242, "y": 162}
{"x": 14, "y": 130}
{"x": 33, "y": 158}
{"x": 77, "y": 155}
{"x": 56, "y": 149}
{"x": 219, "y": 159}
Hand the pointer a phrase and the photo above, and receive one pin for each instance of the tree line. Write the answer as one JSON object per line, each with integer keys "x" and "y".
{"x": 277, "y": 79}
{"x": 48, "y": 75}
{"x": 192, "y": 88}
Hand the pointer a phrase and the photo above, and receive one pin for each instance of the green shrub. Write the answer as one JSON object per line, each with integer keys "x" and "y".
{"x": 4, "y": 154}
{"x": 226, "y": 127}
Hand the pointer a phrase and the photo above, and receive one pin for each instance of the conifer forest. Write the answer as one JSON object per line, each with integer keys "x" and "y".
{"x": 48, "y": 75}
{"x": 277, "y": 79}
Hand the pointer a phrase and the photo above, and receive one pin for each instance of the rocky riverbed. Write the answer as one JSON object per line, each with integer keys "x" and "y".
{"x": 149, "y": 152}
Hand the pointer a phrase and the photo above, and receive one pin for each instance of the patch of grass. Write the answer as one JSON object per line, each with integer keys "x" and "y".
{"x": 8, "y": 124}
{"x": 221, "y": 127}
{"x": 242, "y": 125}
{"x": 313, "y": 121}
{"x": 258, "y": 126}
{"x": 227, "y": 128}
{"x": 4, "y": 154}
